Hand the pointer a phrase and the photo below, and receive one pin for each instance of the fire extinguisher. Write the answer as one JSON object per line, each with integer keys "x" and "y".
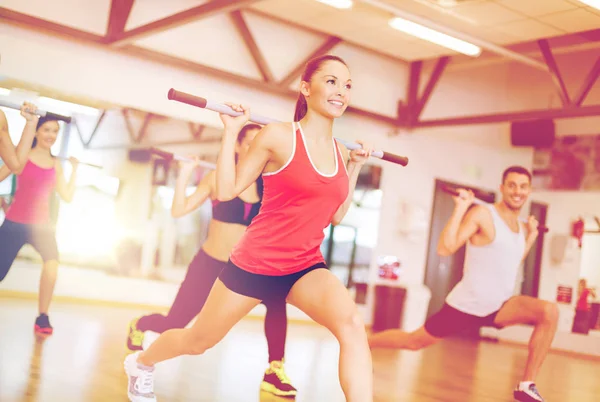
{"x": 578, "y": 228}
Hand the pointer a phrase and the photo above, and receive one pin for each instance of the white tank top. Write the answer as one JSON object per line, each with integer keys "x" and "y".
{"x": 490, "y": 271}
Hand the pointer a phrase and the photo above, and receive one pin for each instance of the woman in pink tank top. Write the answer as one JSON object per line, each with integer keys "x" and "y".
{"x": 309, "y": 180}
{"x": 28, "y": 220}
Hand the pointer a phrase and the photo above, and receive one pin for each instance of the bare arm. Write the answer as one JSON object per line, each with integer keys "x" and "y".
{"x": 353, "y": 171}
{"x": 232, "y": 181}
{"x": 4, "y": 172}
{"x": 532, "y": 234}
{"x": 15, "y": 159}
{"x": 7, "y": 149}
{"x": 64, "y": 189}
{"x": 183, "y": 205}
{"x": 459, "y": 229}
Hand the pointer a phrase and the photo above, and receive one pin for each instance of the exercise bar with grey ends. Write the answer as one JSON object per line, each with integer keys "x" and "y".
{"x": 81, "y": 163}
{"x": 42, "y": 113}
{"x": 224, "y": 109}
{"x": 171, "y": 156}
{"x": 478, "y": 194}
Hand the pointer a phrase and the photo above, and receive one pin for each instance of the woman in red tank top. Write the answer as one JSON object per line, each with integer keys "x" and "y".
{"x": 307, "y": 185}
{"x": 28, "y": 220}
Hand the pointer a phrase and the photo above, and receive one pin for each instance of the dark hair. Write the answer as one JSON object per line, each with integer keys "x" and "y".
{"x": 310, "y": 69}
{"x": 43, "y": 120}
{"x": 245, "y": 129}
{"x": 516, "y": 169}
{"x": 40, "y": 123}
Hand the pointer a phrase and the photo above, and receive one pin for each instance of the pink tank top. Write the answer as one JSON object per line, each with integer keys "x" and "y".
{"x": 31, "y": 203}
{"x": 298, "y": 204}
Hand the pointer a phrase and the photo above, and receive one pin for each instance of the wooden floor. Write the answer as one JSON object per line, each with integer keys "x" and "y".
{"x": 83, "y": 361}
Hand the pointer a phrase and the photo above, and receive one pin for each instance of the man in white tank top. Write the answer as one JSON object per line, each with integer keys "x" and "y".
{"x": 496, "y": 244}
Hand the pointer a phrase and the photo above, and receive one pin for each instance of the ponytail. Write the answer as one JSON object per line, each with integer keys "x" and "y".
{"x": 301, "y": 108}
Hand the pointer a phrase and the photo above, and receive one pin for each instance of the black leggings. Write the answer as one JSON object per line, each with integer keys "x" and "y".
{"x": 14, "y": 235}
{"x": 193, "y": 292}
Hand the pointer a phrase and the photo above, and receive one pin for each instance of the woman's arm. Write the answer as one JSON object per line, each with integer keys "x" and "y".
{"x": 4, "y": 172}
{"x": 64, "y": 189}
{"x": 183, "y": 205}
{"x": 15, "y": 159}
{"x": 358, "y": 157}
{"x": 231, "y": 181}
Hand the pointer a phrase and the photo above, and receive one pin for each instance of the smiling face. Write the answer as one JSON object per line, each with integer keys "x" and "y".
{"x": 327, "y": 92}
{"x": 46, "y": 134}
{"x": 515, "y": 190}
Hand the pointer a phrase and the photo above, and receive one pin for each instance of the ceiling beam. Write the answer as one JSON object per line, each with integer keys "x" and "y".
{"x": 589, "y": 81}
{"x": 568, "y": 112}
{"x": 439, "y": 68}
{"x": 119, "y": 13}
{"x": 205, "y": 10}
{"x": 412, "y": 93}
{"x": 295, "y": 74}
{"x": 554, "y": 72}
{"x": 248, "y": 82}
{"x": 259, "y": 59}
{"x": 41, "y": 25}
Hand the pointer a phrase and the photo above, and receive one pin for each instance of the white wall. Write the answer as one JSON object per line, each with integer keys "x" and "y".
{"x": 590, "y": 260}
{"x": 564, "y": 208}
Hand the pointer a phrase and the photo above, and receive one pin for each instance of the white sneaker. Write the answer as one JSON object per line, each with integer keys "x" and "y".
{"x": 527, "y": 392}
{"x": 140, "y": 387}
{"x": 149, "y": 338}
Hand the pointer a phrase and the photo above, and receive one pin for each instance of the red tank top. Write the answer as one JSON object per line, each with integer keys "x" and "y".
{"x": 31, "y": 203}
{"x": 298, "y": 204}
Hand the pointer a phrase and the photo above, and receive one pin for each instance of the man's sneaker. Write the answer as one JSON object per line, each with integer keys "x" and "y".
{"x": 140, "y": 385}
{"x": 276, "y": 381}
{"x": 135, "y": 338}
{"x": 42, "y": 325}
{"x": 529, "y": 394}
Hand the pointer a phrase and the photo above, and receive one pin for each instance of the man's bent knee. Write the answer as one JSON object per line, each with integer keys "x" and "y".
{"x": 550, "y": 313}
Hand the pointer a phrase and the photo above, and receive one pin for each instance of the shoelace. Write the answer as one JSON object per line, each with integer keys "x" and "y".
{"x": 533, "y": 389}
{"x": 145, "y": 382}
{"x": 280, "y": 373}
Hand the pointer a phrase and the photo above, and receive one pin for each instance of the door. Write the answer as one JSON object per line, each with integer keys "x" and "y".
{"x": 443, "y": 273}
{"x": 533, "y": 263}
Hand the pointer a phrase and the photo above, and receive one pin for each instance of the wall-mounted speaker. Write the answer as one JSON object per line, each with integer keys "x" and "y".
{"x": 533, "y": 133}
{"x": 140, "y": 155}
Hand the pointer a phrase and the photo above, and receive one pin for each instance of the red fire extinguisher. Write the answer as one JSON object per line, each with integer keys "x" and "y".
{"x": 578, "y": 228}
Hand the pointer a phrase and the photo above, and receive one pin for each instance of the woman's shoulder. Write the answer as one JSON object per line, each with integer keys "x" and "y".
{"x": 273, "y": 134}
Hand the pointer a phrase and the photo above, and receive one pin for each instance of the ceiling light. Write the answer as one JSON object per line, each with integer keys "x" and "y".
{"x": 592, "y": 3}
{"x": 436, "y": 37}
{"x": 337, "y": 3}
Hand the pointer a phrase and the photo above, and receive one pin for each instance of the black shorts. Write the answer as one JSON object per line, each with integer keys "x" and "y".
{"x": 450, "y": 321}
{"x": 14, "y": 235}
{"x": 262, "y": 287}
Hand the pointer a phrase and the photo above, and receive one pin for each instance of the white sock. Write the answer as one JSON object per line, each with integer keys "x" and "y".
{"x": 524, "y": 385}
